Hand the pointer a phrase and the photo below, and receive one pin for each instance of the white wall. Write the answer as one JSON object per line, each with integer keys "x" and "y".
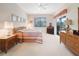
{"x": 73, "y": 14}
{"x": 6, "y": 10}
{"x": 48, "y": 20}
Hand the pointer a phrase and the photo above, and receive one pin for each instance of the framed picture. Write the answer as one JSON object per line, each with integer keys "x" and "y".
{"x": 23, "y": 19}
{"x": 19, "y": 20}
{"x": 13, "y": 18}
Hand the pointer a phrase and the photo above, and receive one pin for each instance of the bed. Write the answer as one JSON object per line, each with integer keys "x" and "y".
{"x": 30, "y": 36}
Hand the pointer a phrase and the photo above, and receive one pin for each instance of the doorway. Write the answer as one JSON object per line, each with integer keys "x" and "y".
{"x": 61, "y": 25}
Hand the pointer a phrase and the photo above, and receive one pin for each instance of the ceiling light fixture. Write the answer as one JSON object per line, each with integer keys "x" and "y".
{"x": 43, "y": 5}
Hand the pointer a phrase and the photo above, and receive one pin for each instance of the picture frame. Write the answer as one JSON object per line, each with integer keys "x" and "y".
{"x": 17, "y": 19}
{"x": 13, "y": 18}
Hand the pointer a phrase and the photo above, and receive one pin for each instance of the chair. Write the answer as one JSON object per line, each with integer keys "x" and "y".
{"x": 50, "y": 30}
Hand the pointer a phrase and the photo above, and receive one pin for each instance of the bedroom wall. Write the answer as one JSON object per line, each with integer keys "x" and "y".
{"x": 6, "y": 10}
{"x": 73, "y": 14}
{"x": 48, "y": 20}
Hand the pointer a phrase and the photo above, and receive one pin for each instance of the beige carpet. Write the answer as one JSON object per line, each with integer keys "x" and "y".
{"x": 50, "y": 47}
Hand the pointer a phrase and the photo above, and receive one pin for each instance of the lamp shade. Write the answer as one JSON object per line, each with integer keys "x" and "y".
{"x": 69, "y": 22}
{"x": 8, "y": 25}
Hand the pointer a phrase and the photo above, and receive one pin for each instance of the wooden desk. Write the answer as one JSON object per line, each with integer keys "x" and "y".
{"x": 7, "y": 42}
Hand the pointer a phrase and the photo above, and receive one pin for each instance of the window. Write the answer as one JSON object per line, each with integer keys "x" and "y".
{"x": 40, "y": 22}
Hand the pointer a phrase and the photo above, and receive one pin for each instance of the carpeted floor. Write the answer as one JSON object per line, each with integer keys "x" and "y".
{"x": 51, "y": 47}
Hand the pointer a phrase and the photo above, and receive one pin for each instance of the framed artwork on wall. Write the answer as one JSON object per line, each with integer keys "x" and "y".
{"x": 23, "y": 19}
{"x": 17, "y": 19}
{"x": 13, "y": 18}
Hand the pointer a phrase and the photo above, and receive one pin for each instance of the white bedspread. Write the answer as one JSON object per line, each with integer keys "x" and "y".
{"x": 30, "y": 30}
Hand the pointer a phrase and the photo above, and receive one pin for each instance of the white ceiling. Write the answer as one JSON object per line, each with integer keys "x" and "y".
{"x": 41, "y": 8}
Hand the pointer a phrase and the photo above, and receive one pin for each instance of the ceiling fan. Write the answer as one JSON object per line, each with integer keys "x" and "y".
{"x": 43, "y": 5}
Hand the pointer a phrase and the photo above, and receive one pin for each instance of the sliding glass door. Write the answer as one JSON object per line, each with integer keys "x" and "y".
{"x": 61, "y": 25}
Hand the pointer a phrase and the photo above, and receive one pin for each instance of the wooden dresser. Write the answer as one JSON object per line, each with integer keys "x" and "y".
{"x": 7, "y": 42}
{"x": 71, "y": 41}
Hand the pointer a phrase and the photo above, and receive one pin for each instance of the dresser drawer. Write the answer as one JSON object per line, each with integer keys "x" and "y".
{"x": 71, "y": 41}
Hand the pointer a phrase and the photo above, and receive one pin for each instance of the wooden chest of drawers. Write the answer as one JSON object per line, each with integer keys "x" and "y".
{"x": 71, "y": 41}
{"x": 7, "y": 42}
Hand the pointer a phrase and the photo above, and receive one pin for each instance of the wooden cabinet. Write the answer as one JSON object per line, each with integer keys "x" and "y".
{"x": 71, "y": 41}
{"x": 7, "y": 42}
